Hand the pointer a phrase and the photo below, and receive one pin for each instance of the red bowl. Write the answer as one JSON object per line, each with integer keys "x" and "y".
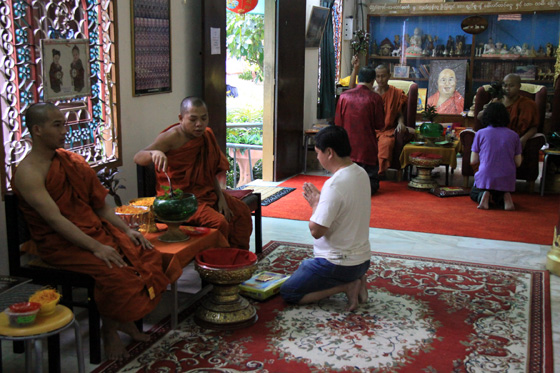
{"x": 24, "y": 307}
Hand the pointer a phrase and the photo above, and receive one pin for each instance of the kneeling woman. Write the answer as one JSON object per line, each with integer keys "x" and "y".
{"x": 498, "y": 151}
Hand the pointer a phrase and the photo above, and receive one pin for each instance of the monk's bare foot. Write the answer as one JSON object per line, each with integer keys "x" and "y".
{"x": 363, "y": 294}
{"x": 352, "y": 292}
{"x": 131, "y": 329}
{"x": 508, "y": 202}
{"x": 114, "y": 348}
{"x": 484, "y": 201}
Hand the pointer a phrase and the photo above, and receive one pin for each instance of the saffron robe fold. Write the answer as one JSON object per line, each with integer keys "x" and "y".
{"x": 122, "y": 294}
{"x": 453, "y": 105}
{"x": 523, "y": 115}
{"x": 394, "y": 102}
{"x": 193, "y": 168}
{"x": 360, "y": 112}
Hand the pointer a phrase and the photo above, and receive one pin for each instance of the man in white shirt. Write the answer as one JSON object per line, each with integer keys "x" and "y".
{"x": 340, "y": 226}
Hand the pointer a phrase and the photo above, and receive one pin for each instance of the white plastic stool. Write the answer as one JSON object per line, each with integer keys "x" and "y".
{"x": 44, "y": 326}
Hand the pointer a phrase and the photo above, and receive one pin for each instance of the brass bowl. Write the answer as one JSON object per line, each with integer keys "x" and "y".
{"x": 150, "y": 226}
{"x": 234, "y": 267}
{"x": 135, "y": 220}
{"x": 425, "y": 162}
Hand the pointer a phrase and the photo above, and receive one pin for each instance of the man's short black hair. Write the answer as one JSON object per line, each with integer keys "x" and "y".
{"x": 334, "y": 137}
{"x": 366, "y": 75}
{"x": 495, "y": 115}
{"x": 191, "y": 101}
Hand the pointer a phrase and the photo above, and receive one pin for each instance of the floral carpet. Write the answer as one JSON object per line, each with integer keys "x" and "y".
{"x": 423, "y": 315}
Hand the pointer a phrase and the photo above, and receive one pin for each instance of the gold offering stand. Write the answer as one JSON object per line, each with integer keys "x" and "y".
{"x": 223, "y": 308}
{"x": 173, "y": 233}
{"x": 424, "y": 179}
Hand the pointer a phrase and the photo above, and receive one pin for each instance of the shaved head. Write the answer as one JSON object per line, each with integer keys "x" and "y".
{"x": 513, "y": 78}
{"x": 38, "y": 113}
{"x": 191, "y": 101}
{"x": 381, "y": 67}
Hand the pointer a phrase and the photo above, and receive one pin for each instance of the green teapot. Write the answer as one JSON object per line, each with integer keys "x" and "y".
{"x": 431, "y": 130}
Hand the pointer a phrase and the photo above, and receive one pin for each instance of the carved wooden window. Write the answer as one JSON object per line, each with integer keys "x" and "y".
{"x": 93, "y": 130}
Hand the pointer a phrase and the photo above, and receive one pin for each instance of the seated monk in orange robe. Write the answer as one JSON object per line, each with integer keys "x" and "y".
{"x": 64, "y": 205}
{"x": 191, "y": 156}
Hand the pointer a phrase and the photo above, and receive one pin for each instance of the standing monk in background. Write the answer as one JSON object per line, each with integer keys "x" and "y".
{"x": 191, "y": 156}
{"x": 360, "y": 112}
{"x": 64, "y": 206}
{"x": 394, "y": 104}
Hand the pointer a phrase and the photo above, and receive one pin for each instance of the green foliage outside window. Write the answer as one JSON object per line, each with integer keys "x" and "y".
{"x": 245, "y": 40}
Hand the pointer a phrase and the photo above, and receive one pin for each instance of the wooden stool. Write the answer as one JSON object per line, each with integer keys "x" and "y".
{"x": 44, "y": 326}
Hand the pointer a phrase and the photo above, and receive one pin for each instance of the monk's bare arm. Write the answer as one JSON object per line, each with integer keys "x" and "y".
{"x": 108, "y": 213}
{"x": 223, "y": 207}
{"x": 31, "y": 185}
{"x": 155, "y": 152}
{"x": 355, "y": 69}
{"x": 530, "y": 133}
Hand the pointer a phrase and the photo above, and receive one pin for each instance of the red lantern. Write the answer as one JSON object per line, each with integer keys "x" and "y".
{"x": 241, "y": 6}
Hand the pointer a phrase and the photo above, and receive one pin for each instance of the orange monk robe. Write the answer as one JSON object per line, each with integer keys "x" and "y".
{"x": 394, "y": 102}
{"x": 122, "y": 294}
{"x": 523, "y": 115}
{"x": 193, "y": 168}
{"x": 453, "y": 105}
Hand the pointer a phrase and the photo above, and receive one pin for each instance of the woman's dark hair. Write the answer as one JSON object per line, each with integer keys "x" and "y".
{"x": 55, "y": 52}
{"x": 495, "y": 115}
{"x": 333, "y": 137}
{"x": 76, "y": 49}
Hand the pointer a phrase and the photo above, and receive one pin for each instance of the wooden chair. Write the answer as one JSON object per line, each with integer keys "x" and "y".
{"x": 146, "y": 179}
{"x": 401, "y": 139}
{"x": 25, "y": 265}
{"x": 529, "y": 169}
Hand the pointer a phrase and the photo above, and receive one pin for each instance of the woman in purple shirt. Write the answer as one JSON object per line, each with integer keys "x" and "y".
{"x": 497, "y": 150}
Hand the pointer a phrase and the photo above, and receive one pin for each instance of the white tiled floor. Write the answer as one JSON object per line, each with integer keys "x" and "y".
{"x": 384, "y": 240}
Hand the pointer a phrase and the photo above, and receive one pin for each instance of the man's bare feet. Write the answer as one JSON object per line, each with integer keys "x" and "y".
{"x": 363, "y": 294}
{"x": 508, "y": 202}
{"x": 352, "y": 292}
{"x": 131, "y": 329}
{"x": 484, "y": 201}
{"x": 114, "y": 347}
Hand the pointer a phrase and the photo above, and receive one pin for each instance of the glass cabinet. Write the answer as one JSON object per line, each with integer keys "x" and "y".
{"x": 480, "y": 49}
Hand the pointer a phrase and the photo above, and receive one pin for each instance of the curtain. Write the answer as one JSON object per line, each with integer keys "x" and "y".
{"x": 326, "y": 106}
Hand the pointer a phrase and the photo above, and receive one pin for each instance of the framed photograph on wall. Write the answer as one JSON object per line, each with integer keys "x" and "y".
{"x": 65, "y": 68}
{"x": 151, "y": 47}
{"x": 316, "y": 26}
{"x": 446, "y": 86}
{"x": 401, "y": 71}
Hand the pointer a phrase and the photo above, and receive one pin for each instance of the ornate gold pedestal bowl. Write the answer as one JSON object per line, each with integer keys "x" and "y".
{"x": 223, "y": 308}
{"x": 425, "y": 163}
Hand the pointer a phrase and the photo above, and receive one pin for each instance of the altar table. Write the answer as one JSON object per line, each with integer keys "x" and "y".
{"x": 448, "y": 155}
{"x": 183, "y": 253}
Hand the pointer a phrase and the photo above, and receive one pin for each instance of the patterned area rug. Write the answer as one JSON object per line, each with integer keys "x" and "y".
{"x": 269, "y": 194}
{"x": 423, "y": 315}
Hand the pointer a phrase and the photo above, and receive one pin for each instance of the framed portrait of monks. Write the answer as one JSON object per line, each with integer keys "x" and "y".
{"x": 446, "y": 86}
{"x": 66, "y": 71}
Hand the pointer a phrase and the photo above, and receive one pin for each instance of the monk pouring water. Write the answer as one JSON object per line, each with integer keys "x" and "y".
{"x": 190, "y": 155}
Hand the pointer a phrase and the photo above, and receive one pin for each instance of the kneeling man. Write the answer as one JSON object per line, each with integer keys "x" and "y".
{"x": 340, "y": 226}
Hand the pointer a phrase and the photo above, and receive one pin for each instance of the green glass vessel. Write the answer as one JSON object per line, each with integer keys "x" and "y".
{"x": 175, "y": 210}
{"x": 431, "y": 130}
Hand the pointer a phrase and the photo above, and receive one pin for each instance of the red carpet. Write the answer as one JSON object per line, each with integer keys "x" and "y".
{"x": 397, "y": 207}
{"x": 423, "y": 315}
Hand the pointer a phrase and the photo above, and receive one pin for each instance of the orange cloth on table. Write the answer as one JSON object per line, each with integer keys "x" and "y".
{"x": 193, "y": 168}
{"x": 523, "y": 115}
{"x": 122, "y": 294}
{"x": 394, "y": 101}
{"x": 453, "y": 105}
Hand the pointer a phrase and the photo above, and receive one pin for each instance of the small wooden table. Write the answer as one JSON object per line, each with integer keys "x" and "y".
{"x": 183, "y": 253}
{"x": 448, "y": 155}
